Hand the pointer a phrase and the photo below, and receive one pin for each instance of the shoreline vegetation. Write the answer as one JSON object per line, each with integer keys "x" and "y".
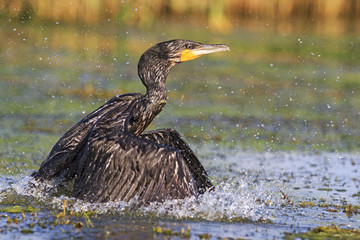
{"x": 323, "y": 16}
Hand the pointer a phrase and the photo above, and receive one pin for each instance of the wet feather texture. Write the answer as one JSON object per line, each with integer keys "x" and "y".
{"x": 110, "y": 157}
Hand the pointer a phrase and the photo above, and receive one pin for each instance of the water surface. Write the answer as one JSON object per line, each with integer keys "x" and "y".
{"x": 275, "y": 123}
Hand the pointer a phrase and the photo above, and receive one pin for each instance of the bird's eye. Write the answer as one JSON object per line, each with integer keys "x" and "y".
{"x": 189, "y": 46}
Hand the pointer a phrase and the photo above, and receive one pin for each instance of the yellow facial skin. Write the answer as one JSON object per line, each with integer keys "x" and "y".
{"x": 190, "y": 54}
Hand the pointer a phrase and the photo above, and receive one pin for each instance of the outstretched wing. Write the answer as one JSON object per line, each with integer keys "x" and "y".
{"x": 123, "y": 166}
{"x": 64, "y": 154}
{"x": 118, "y": 165}
{"x": 172, "y": 138}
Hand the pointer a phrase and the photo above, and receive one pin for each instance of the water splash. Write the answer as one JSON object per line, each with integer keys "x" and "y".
{"x": 249, "y": 187}
{"x": 233, "y": 200}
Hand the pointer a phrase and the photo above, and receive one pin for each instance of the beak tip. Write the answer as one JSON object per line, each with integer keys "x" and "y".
{"x": 226, "y": 48}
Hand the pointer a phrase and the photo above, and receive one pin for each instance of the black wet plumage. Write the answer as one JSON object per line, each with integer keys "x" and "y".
{"x": 110, "y": 158}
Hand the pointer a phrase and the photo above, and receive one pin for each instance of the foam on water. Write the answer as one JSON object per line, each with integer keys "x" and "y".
{"x": 248, "y": 188}
{"x": 233, "y": 200}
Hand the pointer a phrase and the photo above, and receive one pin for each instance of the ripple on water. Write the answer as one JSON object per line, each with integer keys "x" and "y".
{"x": 233, "y": 200}
{"x": 249, "y": 188}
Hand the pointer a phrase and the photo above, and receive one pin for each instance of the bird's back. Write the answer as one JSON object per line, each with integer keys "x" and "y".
{"x": 61, "y": 162}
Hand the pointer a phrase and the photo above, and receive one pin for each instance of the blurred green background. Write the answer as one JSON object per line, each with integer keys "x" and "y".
{"x": 290, "y": 82}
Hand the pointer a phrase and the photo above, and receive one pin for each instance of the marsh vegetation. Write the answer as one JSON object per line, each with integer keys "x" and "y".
{"x": 275, "y": 121}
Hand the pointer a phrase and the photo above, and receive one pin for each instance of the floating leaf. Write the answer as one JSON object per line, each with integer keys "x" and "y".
{"x": 27, "y": 231}
{"x": 19, "y": 209}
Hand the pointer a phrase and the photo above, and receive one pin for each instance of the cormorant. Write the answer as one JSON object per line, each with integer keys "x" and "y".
{"x": 108, "y": 155}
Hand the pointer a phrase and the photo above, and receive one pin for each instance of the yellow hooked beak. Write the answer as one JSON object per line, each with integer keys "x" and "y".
{"x": 190, "y": 54}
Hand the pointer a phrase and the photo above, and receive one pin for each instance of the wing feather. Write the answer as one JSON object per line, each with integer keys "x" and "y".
{"x": 63, "y": 156}
{"x": 172, "y": 138}
{"x": 110, "y": 163}
{"x": 161, "y": 176}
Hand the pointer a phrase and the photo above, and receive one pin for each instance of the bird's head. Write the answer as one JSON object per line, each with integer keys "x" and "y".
{"x": 156, "y": 62}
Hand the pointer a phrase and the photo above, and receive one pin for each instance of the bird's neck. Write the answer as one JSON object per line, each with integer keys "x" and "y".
{"x": 148, "y": 107}
{"x": 153, "y": 74}
{"x": 156, "y": 93}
